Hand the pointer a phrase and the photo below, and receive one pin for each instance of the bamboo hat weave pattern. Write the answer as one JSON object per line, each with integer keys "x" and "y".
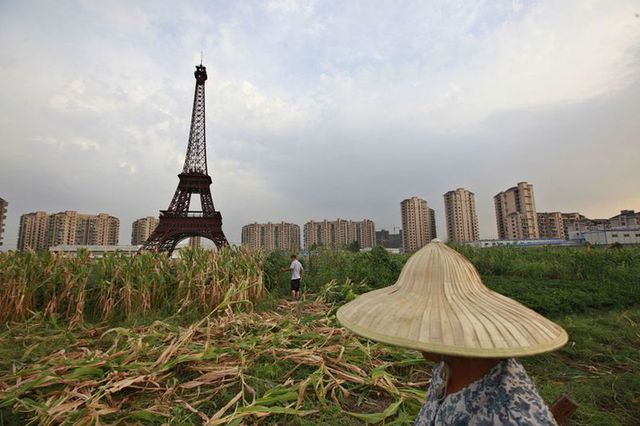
{"x": 440, "y": 305}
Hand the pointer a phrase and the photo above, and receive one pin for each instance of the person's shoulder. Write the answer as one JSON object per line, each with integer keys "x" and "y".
{"x": 517, "y": 399}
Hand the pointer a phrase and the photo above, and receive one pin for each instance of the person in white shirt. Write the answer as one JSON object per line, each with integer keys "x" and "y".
{"x": 297, "y": 272}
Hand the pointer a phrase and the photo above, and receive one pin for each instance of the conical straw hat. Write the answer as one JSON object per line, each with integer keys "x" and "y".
{"x": 440, "y": 305}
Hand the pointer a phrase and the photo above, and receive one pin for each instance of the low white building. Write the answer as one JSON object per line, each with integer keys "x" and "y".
{"x": 606, "y": 237}
{"x": 94, "y": 251}
{"x": 389, "y": 249}
{"x": 522, "y": 243}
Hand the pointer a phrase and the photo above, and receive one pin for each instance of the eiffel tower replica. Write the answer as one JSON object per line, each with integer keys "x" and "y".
{"x": 178, "y": 222}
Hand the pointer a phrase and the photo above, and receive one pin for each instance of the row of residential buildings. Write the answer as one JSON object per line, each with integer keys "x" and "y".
{"x": 271, "y": 236}
{"x": 40, "y": 230}
{"x": 339, "y": 233}
{"x": 418, "y": 228}
{"x": 286, "y": 236}
{"x": 516, "y": 218}
{"x": 43, "y": 231}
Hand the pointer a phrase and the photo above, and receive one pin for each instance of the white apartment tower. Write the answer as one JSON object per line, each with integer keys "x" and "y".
{"x": 418, "y": 224}
{"x": 142, "y": 228}
{"x": 339, "y": 233}
{"x": 272, "y": 236}
{"x": 461, "y": 216}
{"x": 516, "y": 216}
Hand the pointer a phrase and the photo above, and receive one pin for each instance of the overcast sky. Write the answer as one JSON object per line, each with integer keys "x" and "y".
{"x": 319, "y": 109}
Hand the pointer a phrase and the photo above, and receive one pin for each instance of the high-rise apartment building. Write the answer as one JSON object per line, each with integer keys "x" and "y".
{"x": 418, "y": 223}
{"x": 339, "y": 233}
{"x": 62, "y": 228}
{"x": 365, "y": 233}
{"x": 461, "y": 216}
{"x": 73, "y": 228}
{"x": 33, "y": 231}
{"x": 432, "y": 223}
{"x": 516, "y": 213}
{"x": 142, "y": 228}
{"x": 40, "y": 231}
{"x": 98, "y": 230}
{"x": 556, "y": 224}
{"x": 551, "y": 225}
{"x": 3, "y": 217}
{"x": 272, "y": 236}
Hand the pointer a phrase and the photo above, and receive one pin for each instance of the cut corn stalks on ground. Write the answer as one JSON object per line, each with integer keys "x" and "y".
{"x": 291, "y": 365}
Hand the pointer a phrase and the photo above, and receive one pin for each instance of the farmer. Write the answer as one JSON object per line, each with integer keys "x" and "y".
{"x": 440, "y": 307}
{"x": 297, "y": 272}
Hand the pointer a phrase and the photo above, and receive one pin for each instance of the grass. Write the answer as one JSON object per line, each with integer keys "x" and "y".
{"x": 279, "y": 362}
{"x": 598, "y": 368}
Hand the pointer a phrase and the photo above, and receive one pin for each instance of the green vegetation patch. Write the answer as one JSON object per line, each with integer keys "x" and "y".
{"x": 168, "y": 349}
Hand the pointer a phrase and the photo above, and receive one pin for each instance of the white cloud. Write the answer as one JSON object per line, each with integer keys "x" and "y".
{"x": 312, "y": 107}
{"x": 130, "y": 168}
{"x": 82, "y": 143}
{"x": 567, "y": 53}
{"x": 85, "y": 144}
{"x": 46, "y": 140}
{"x": 75, "y": 99}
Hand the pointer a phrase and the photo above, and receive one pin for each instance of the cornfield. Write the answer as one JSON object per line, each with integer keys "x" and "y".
{"x": 115, "y": 287}
{"x": 151, "y": 340}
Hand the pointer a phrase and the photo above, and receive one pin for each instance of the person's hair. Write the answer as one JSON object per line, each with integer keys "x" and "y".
{"x": 293, "y": 256}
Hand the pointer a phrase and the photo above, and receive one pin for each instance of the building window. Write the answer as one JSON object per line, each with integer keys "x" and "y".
{"x": 625, "y": 235}
{"x": 614, "y": 235}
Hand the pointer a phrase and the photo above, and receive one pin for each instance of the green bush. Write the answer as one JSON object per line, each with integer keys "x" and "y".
{"x": 276, "y": 281}
{"x": 376, "y": 268}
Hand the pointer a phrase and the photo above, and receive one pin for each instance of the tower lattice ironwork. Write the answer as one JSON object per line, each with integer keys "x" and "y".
{"x": 178, "y": 222}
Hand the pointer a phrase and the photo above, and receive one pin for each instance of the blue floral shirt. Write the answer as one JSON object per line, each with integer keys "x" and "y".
{"x": 503, "y": 396}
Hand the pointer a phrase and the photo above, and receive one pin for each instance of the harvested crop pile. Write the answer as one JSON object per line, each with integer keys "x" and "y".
{"x": 291, "y": 364}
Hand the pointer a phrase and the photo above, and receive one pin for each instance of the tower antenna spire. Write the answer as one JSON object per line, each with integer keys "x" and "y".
{"x": 201, "y": 57}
